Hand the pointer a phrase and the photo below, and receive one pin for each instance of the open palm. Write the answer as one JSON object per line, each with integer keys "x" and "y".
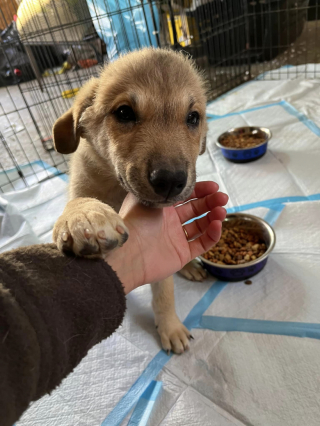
{"x": 157, "y": 246}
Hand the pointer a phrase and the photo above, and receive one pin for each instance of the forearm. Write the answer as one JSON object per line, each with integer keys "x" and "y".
{"x": 53, "y": 309}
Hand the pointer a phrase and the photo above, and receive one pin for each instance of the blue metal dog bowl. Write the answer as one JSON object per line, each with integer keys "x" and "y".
{"x": 246, "y": 270}
{"x": 245, "y": 155}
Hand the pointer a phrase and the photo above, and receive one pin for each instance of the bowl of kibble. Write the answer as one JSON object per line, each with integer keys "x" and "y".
{"x": 243, "y": 250}
{"x": 244, "y": 144}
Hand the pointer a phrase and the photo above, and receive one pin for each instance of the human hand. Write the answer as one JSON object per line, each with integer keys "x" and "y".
{"x": 157, "y": 246}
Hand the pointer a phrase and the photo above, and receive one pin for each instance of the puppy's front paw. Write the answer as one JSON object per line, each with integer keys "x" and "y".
{"x": 194, "y": 271}
{"x": 89, "y": 228}
{"x": 174, "y": 335}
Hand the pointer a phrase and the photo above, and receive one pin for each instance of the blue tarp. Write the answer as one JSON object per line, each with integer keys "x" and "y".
{"x": 124, "y": 25}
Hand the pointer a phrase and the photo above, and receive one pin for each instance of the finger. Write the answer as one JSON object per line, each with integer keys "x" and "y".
{"x": 202, "y": 189}
{"x": 207, "y": 240}
{"x": 195, "y": 208}
{"x": 199, "y": 226}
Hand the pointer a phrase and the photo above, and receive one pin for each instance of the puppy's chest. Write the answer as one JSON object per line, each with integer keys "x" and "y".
{"x": 113, "y": 196}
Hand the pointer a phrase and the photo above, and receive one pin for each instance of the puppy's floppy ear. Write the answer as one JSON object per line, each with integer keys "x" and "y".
{"x": 203, "y": 145}
{"x": 66, "y": 130}
{"x": 64, "y": 133}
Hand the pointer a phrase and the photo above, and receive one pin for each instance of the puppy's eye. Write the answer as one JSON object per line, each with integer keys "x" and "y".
{"x": 125, "y": 114}
{"x": 193, "y": 119}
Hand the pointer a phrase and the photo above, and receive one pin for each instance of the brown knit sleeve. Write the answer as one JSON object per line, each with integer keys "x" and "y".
{"x": 53, "y": 309}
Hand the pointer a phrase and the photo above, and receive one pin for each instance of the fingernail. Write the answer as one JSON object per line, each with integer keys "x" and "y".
{"x": 168, "y": 352}
{"x": 65, "y": 236}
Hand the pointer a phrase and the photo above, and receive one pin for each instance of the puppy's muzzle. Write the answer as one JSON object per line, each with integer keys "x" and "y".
{"x": 168, "y": 183}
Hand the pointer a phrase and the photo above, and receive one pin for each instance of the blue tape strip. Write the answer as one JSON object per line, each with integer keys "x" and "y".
{"x": 284, "y": 104}
{"x": 230, "y": 114}
{"x": 297, "y": 329}
{"x": 277, "y": 207}
{"x": 290, "y": 199}
{"x": 270, "y": 203}
{"x": 143, "y": 409}
{"x": 128, "y": 401}
{"x": 42, "y": 164}
{"x": 199, "y": 309}
{"x": 52, "y": 170}
{"x": 13, "y": 169}
{"x": 195, "y": 218}
{"x": 301, "y": 117}
{"x": 273, "y": 214}
{"x": 314, "y": 197}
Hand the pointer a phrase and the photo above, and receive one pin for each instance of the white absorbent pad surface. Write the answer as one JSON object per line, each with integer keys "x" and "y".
{"x": 255, "y": 358}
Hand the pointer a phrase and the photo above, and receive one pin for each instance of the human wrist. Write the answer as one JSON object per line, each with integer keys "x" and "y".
{"x": 125, "y": 263}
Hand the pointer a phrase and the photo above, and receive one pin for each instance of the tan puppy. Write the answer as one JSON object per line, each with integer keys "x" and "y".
{"x": 138, "y": 128}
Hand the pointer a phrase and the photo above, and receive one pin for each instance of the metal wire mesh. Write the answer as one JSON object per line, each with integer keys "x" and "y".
{"x": 58, "y": 45}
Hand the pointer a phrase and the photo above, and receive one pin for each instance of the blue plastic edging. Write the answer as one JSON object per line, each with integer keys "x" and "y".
{"x": 143, "y": 409}
{"x": 297, "y": 329}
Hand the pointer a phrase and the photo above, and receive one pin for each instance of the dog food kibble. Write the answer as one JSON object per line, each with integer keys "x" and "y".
{"x": 241, "y": 141}
{"x": 236, "y": 247}
{"x": 248, "y": 282}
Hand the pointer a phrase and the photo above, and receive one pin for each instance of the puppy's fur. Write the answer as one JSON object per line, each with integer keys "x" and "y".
{"x": 114, "y": 156}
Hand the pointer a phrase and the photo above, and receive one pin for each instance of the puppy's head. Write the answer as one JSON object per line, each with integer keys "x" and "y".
{"x": 146, "y": 116}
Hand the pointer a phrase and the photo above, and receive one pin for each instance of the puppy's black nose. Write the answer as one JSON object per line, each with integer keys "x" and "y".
{"x": 167, "y": 183}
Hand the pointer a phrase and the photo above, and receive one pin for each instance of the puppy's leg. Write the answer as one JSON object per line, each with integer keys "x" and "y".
{"x": 193, "y": 271}
{"x": 88, "y": 227}
{"x": 174, "y": 335}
